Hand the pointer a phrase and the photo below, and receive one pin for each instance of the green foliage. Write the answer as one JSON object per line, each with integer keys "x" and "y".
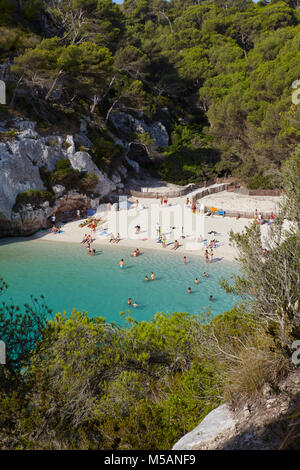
{"x": 105, "y": 153}
{"x": 63, "y": 164}
{"x": 261, "y": 182}
{"x": 269, "y": 282}
{"x": 9, "y": 135}
{"x": 227, "y": 66}
{"x": 66, "y": 177}
{"x": 89, "y": 182}
{"x": 190, "y": 157}
{"x": 34, "y": 197}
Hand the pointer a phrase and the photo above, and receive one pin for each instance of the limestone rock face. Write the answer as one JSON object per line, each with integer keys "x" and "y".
{"x": 82, "y": 161}
{"x": 22, "y": 156}
{"x": 17, "y": 174}
{"x": 207, "y": 435}
{"x": 129, "y": 125}
{"x": 58, "y": 190}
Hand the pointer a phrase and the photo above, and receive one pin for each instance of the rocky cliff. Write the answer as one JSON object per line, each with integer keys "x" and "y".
{"x": 23, "y": 153}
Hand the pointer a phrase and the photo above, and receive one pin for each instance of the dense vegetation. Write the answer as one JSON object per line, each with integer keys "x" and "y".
{"x": 80, "y": 383}
{"x": 218, "y": 74}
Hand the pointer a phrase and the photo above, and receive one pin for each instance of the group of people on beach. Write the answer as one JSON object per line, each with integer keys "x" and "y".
{"x": 208, "y": 254}
{"x": 260, "y": 219}
{"x": 114, "y": 239}
{"x": 87, "y": 241}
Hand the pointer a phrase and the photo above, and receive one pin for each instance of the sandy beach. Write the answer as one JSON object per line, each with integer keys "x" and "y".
{"x": 196, "y": 228}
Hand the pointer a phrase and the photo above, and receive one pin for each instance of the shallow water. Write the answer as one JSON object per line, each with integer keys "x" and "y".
{"x": 69, "y": 278}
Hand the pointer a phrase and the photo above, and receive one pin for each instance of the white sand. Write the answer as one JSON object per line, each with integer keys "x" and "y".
{"x": 72, "y": 233}
{"x": 225, "y": 200}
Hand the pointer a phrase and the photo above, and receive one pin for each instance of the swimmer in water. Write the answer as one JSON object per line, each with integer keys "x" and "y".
{"x": 122, "y": 264}
{"x": 189, "y": 290}
{"x": 196, "y": 281}
{"x": 211, "y": 297}
{"x": 184, "y": 259}
{"x": 146, "y": 278}
{"x": 129, "y": 301}
{"x": 135, "y": 304}
{"x": 205, "y": 274}
{"x": 152, "y": 276}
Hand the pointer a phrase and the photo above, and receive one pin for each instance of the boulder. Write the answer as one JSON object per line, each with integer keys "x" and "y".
{"x": 81, "y": 140}
{"x": 133, "y": 164}
{"x": 71, "y": 145}
{"x": 82, "y": 161}
{"x": 208, "y": 433}
{"x": 58, "y": 190}
{"x": 129, "y": 125}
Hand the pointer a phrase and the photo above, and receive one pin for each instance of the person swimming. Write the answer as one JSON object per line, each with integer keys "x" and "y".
{"x": 129, "y": 301}
{"x": 146, "y": 278}
{"x": 135, "y": 304}
{"x": 122, "y": 264}
{"x": 189, "y": 290}
{"x": 196, "y": 281}
{"x": 211, "y": 297}
{"x": 205, "y": 274}
{"x": 152, "y": 276}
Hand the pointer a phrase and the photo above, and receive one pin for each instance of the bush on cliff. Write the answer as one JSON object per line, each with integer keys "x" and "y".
{"x": 34, "y": 197}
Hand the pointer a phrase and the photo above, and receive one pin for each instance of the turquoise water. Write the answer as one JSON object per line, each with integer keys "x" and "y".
{"x": 69, "y": 278}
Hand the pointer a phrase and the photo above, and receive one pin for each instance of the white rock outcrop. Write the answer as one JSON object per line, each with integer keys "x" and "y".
{"x": 17, "y": 174}
{"x": 207, "y": 434}
{"x": 129, "y": 125}
{"x": 21, "y": 157}
{"x": 82, "y": 161}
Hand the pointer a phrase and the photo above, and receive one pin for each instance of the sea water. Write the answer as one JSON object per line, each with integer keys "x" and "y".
{"x": 69, "y": 278}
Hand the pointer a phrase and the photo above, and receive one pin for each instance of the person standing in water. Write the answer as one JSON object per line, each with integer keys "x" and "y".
{"x": 189, "y": 290}
{"x": 184, "y": 259}
{"x": 196, "y": 281}
{"x": 122, "y": 264}
{"x": 152, "y": 276}
{"x": 129, "y": 301}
